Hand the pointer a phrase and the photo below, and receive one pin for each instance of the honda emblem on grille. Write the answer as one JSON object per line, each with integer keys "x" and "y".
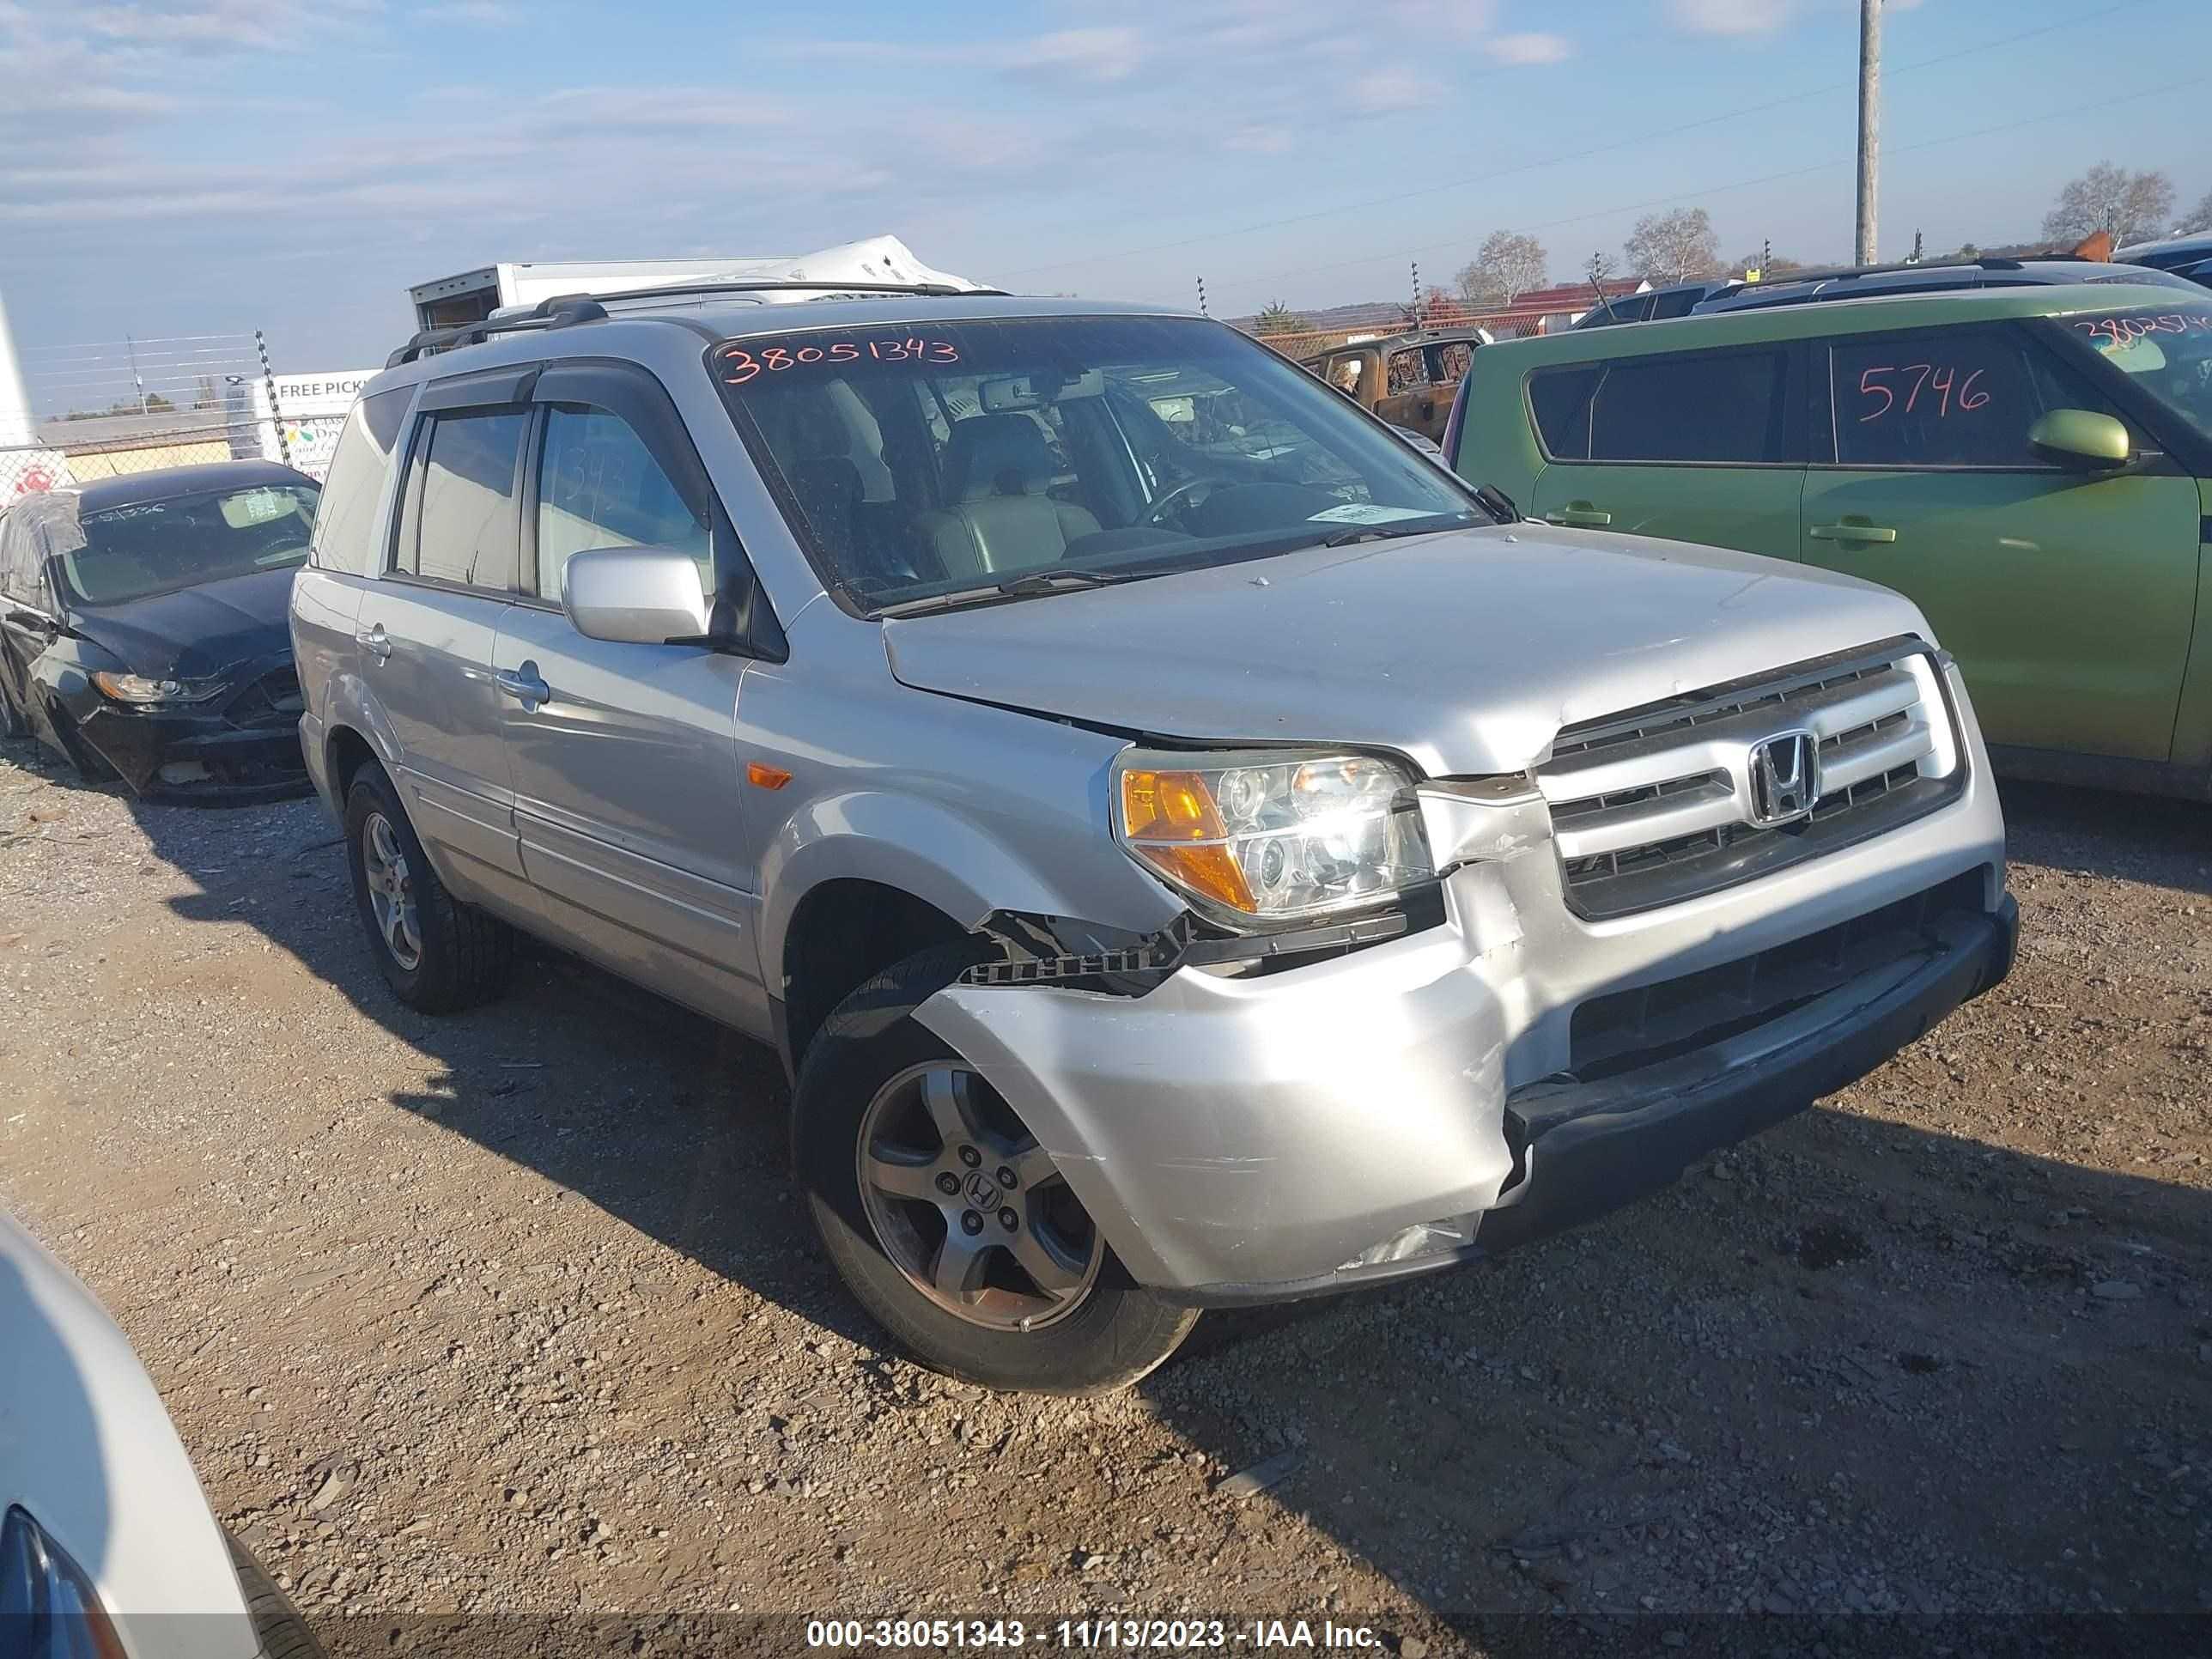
{"x": 1785, "y": 778}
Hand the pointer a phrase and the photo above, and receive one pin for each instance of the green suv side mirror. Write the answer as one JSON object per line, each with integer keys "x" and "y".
{"x": 2081, "y": 438}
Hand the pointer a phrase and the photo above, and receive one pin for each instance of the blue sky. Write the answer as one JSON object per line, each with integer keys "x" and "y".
{"x": 214, "y": 164}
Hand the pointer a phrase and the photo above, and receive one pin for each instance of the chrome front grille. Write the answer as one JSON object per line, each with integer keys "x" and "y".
{"x": 1663, "y": 803}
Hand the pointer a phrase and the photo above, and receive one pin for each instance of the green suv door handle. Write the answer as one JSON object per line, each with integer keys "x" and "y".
{"x": 1581, "y": 514}
{"x": 1853, "y": 530}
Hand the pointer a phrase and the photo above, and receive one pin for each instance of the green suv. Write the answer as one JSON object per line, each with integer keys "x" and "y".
{"x": 2032, "y": 466}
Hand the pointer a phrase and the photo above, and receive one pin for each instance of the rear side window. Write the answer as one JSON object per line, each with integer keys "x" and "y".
{"x": 1560, "y": 400}
{"x": 599, "y": 485}
{"x": 345, "y": 528}
{"x": 18, "y": 564}
{"x": 1948, "y": 398}
{"x": 1408, "y": 369}
{"x": 1720, "y": 407}
{"x": 459, "y": 522}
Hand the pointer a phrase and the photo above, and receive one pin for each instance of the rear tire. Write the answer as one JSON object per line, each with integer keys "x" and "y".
{"x": 438, "y": 955}
{"x": 89, "y": 766}
{"x": 1093, "y": 1328}
{"x": 14, "y": 722}
{"x": 278, "y": 1629}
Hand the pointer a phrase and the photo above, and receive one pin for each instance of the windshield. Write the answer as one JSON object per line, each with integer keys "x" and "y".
{"x": 2165, "y": 351}
{"x": 154, "y": 547}
{"x": 948, "y": 461}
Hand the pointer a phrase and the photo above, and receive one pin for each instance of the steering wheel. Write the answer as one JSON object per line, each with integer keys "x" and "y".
{"x": 1159, "y": 509}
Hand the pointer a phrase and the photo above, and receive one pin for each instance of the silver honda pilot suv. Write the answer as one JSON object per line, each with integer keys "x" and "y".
{"x": 1188, "y": 848}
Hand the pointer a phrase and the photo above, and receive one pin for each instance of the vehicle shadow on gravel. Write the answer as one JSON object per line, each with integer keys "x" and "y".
{"x": 1850, "y": 1367}
{"x": 1855, "y": 1364}
{"x": 2166, "y": 843}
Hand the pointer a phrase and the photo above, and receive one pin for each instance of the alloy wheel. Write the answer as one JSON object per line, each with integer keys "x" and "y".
{"x": 969, "y": 1207}
{"x": 391, "y": 890}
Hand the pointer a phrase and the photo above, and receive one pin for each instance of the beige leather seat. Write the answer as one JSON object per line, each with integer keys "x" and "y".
{"x": 997, "y": 469}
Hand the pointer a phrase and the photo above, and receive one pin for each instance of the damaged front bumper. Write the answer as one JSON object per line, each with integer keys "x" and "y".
{"x": 245, "y": 748}
{"x": 1508, "y": 1072}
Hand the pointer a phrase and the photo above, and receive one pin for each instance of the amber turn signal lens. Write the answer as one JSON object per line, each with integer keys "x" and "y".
{"x": 1168, "y": 806}
{"x": 1163, "y": 815}
{"x": 764, "y": 776}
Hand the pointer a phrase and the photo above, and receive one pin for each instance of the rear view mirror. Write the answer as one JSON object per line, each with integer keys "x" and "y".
{"x": 634, "y": 595}
{"x": 2080, "y": 438}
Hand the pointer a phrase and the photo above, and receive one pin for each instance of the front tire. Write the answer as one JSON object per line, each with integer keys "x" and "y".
{"x": 14, "y": 720}
{"x": 438, "y": 955}
{"x": 944, "y": 1218}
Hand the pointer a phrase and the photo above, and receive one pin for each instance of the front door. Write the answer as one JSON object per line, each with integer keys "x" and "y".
{"x": 1696, "y": 447}
{"x": 624, "y": 757}
{"x": 2068, "y": 596}
{"x": 425, "y": 634}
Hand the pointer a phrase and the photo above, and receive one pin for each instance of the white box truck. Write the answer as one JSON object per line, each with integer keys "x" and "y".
{"x": 473, "y": 295}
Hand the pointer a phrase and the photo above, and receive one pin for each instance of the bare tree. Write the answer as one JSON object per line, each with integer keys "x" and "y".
{"x": 2199, "y": 217}
{"x": 2128, "y": 206}
{"x": 1506, "y": 267}
{"x": 1774, "y": 265}
{"x": 1673, "y": 247}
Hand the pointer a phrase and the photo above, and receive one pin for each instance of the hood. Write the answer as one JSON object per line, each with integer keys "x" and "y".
{"x": 1465, "y": 651}
{"x": 196, "y": 633}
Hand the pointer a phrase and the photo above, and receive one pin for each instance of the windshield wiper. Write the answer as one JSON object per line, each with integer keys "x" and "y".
{"x": 1053, "y": 581}
{"x": 1017, "y": 588}
{"x": 1376, "y": 532}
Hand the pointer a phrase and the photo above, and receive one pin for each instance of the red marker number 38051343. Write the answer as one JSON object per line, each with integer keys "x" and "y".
{"x": 739, "y": 364}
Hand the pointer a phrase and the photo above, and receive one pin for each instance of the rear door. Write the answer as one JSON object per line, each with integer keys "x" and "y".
{"x": 1700, "y": 447}
{"x": 1413, "y": 397}
{"x": 624, "y": 757}
{"x": 2068, "y": 596}
{"x": 26, "y": 623}
{"x": 425, "y": 632}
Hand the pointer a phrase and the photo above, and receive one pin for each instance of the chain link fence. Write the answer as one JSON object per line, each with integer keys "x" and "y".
{"x": 131, "y": 405}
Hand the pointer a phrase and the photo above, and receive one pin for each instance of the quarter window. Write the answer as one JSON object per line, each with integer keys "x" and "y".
{"x": 345, "y": 526}
{"x": 600, "y": 486}
{"x": 460, "y": 523}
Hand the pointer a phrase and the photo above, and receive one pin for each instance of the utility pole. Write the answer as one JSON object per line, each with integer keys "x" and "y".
{"x": 1870, "y": 127}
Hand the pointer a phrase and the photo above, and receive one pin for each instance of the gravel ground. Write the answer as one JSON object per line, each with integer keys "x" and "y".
{"x": 516, "y": 1312}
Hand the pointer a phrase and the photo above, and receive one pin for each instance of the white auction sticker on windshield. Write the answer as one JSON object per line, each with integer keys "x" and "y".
{"x": 1369, "y": 512}
{"x": 252, "y": 507}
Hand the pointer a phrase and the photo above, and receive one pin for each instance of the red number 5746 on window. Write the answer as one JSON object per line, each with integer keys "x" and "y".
{"x": 1938, "y": 380}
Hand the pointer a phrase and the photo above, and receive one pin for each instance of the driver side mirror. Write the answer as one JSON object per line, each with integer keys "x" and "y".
{"x": 634, "y": 595}
{"x": 2082, "y": 439}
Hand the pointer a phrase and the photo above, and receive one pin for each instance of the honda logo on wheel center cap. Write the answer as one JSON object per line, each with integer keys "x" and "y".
{"x": 1785, "y": 778}
{"x": 982, "y": 1191}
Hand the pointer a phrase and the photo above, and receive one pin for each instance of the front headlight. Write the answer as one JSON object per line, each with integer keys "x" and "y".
{"x": 1270, "y": 836}
{"x": 137, "y": 688}
{"x": 47, "y": 1602}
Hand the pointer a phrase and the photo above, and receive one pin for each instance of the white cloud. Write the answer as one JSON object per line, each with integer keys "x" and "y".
{"x": 219, "y": 25}
{"x": 1261, "y": 138}
{"x": 1730, "y": 17}
{"x": 468, "y": 14}
{"x": 1531, "y": 48}
{"x": 1096, "y": 55}
{"x": 1384, "y": 91}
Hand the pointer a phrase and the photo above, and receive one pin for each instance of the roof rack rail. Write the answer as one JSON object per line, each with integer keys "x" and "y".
{"x": 567, "y": 310}
{"x": 785, "y": 284}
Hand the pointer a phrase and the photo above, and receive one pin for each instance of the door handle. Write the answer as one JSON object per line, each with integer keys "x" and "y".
{"x": 374, "y": 642}
{"x": 1581, "y": 514}
{"x": 523, "y": 685}
{"x": 1857, "y": 530}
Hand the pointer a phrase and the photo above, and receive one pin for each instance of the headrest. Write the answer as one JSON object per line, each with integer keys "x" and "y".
{"x": 998, "y": 455}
